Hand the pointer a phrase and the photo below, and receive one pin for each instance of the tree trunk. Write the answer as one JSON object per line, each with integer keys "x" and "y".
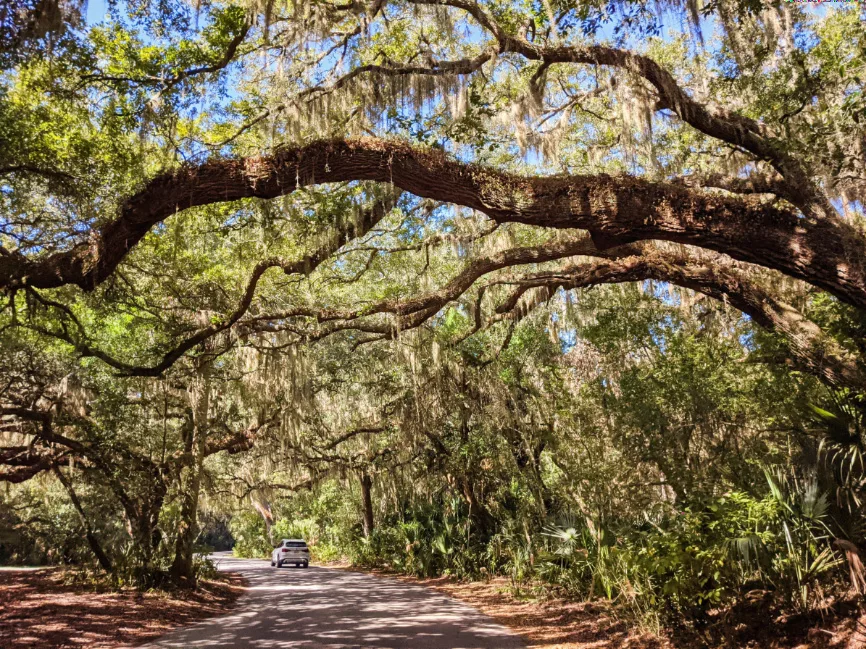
{"x": 199, "y": 395}
{"x": 264, "y": 509}
{"x": 92, "y": 541}
{"x": 145, "y": 533}
{"x": 477, "y": 511}
{"x": 367, "y": 499}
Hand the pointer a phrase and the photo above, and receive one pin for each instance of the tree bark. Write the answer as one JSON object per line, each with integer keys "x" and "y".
{"x": 199, "y": 396}
{"x": 263, "y": 507}
{"x": 477, "y": 510}
{"x": 144, "y": 528}
{"x": 825, "y": 252}
{"x": 92, "y": 541}
{"x": 367, "y": 501}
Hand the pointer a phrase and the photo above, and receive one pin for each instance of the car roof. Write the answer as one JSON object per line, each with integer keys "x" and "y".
{"x": 294, "y": 541}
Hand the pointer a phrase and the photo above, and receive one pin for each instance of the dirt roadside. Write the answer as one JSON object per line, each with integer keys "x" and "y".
{"x": 552, "y": 624}
{"x": 549, "y": 624}
{"x": 561, "y": 624}
{"x": 38, "y": 610}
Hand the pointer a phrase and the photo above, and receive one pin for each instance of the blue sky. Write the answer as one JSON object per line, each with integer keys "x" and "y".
{"x": 96, "y": 10}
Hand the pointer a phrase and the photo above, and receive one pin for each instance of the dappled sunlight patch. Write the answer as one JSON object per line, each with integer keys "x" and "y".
{"x": 39, "y": 610}
{"x": 550, "y": 624}
{"x": 555, "y": 623}
{"x": 323, "y": 607}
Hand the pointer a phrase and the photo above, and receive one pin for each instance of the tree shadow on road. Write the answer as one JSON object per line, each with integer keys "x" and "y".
{"x": 319, "y": 607}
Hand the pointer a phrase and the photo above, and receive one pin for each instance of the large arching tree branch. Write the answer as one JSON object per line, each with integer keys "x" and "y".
{"x": 431, "y": 302}
{"x": 416, "y": 310}
{"x": 344, "y": 232}
{"x": 811, "y": 350}
{"x": 824, "y": 252}
{"x": 728, "y": 127}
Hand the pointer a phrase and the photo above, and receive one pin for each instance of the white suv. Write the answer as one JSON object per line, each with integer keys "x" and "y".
{"x": 291, "y": 551}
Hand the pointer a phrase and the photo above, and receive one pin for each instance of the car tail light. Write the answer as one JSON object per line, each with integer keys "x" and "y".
{"x": 285, "y": 549}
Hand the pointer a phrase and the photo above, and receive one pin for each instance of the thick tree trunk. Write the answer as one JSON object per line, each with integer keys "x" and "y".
{"x": 145, "y": 533}
{"x": 92, "y": 541}
{"x": 367, "y": 501}
{"x": 199, "y": 395}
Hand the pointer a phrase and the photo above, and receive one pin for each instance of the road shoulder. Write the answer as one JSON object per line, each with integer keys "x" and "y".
{"x": 42, "y": 610}
{"x": 547, "y": 624}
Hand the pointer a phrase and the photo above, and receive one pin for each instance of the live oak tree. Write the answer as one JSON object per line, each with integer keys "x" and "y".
{"x": 193, "y": 194}
{"x": 775, "y": 209}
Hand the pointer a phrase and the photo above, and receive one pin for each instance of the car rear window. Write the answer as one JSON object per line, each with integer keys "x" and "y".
{"x": 295, "y": 544}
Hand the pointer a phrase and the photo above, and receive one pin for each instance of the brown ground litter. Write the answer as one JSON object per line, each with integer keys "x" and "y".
{"x": 39, "y": 611}
{"x": 561, "y": 624}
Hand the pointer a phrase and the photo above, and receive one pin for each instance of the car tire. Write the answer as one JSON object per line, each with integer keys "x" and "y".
{"x": 279, "y": 564}
{"x": 272, "y": 563}
{"x": 306, "y": 564}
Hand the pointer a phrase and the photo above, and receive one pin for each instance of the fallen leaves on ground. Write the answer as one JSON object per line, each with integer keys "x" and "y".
{"x": 562, "y": 624}
{"x": 548, "y": 624}
{"x": 39, "y": 610}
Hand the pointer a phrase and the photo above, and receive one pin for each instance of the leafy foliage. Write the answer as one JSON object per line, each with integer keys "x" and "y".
{"x": 407, "y": 383}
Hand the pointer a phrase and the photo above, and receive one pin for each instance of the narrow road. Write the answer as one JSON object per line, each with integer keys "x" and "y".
{"x": 334, "y": 609}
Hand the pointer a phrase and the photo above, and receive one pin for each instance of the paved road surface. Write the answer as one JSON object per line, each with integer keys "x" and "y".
{"x": 324, "y": 608}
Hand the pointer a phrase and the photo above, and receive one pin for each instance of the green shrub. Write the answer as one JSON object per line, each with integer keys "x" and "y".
{"x": 250, "y": 535}
{"x": 705, "y": 556}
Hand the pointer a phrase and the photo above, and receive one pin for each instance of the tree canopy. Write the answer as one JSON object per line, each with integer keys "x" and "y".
{"x": 492, "y": 263}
